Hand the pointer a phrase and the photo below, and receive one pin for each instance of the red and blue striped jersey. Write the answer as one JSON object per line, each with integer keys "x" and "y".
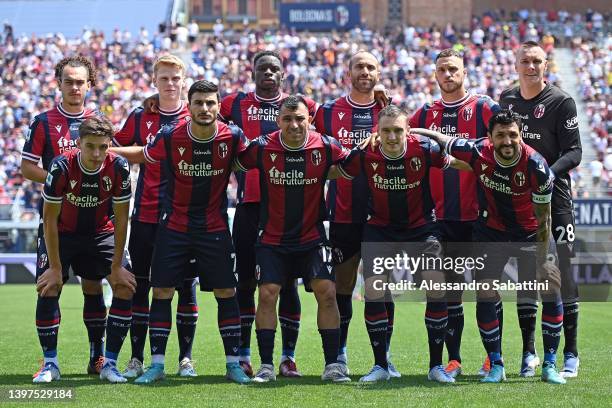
{"x": 397, "y": 187}
{"x": 454, "y": 191}
{"x": 198, "y": 174}
{"x": 140, "y": 129}
{"x": 87, "y": 196}
{"x": 256, "y": 116}
{"x": 292, "y": 180}
{"x": 350, "y": 123}
{"x": 506, "y": 192}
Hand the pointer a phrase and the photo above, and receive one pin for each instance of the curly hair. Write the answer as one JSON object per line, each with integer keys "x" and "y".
{"x": 77, "y": 61}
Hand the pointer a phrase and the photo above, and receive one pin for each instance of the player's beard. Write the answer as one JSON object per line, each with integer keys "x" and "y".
{"x": 450, "y": 87}
{"x": 356, "y": 84}
{"x": 203, "y": 122}
{"x": 512, "y": 155}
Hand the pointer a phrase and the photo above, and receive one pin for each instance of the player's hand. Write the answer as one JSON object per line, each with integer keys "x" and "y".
{"x": 381, "y": 95}
{"x": 548, "y": 271}
{"x": 122, "y": 277}
{"x": 371, "y": 141}
{"x": 50, "y": 281}
{"x": 333, "y": 173}
{"x": 151, "y": 104}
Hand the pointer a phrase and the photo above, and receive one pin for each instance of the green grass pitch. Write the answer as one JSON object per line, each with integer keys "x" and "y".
{"x": 20, "y": 354}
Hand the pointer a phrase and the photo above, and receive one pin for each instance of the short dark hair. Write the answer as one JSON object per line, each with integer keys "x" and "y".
{"x": 96, "y": 126}
{"x": 76, "y": 61}
{"x": 504, "y": 117}
{"x": 449, "y": 52}
{"x": 292, "y": 102}
{"x": 204, "y": 87}
{"x": 392, "y": 111}
{"x": 262, "y": 54}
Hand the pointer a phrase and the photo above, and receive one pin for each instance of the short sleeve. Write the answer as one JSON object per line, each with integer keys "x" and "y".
{"x": 461, "y": 149}
{"x": 338, "y": 152}
{"x": 351, "y": 166}
{"x": 123, "y": 187}
{"x": 155, "y": 151}
{"x": 34, "y": 141}
{"x": 542, "y": 179}
{"x": 127, "y": 135}
{"x": 55, "y": 184}
{"x": 438, "y": 158}
{"x": 247, "y": 159}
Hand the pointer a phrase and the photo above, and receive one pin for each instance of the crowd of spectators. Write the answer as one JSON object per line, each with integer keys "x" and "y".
{"x": 315, "y": 65}
{"x": 594, "y": 69}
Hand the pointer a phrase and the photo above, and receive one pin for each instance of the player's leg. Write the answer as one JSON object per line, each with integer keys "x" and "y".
{"x": 289, "y": 315}
{"x": 271, "y": 272}
{"x": 95, "y": 320}
{"x": 214, "y": 255}
{"x": 141, "y": 244}
{"x": 94, "y": 267}
{"x": 346, "y": 247}
{"x": 315, "y": 267}
{"x": 48, "y": 318}
{"x": 564, "y": 233}
{"x": 527, "y": 309}
{"x": 244, "y": 235}
{"x": 488, "y": 246}
{"x": 171, "y": 254}
{"x": 186, "y": 320}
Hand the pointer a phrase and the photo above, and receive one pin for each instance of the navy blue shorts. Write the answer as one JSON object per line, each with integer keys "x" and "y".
{"x": 345, "y": 240}
{"x": 213, "y": 253}
{"x": 278, "y": 265}
{"x": 452, "y": 233}
{"x": 244, "y": 235}
{"x": 498, "y": 246}
{"x": 423, "y": 240}
{"x": 89, "y": 256}
{"x": 141, "y": 246}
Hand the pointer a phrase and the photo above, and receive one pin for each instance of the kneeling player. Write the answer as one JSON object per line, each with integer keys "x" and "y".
{"x": 293, "y": 165}
{"x": 78, "y": 192}
{"x": 197, "y": 156}
{"x": 516, "y": 188}
{"x": 402, "y": 212}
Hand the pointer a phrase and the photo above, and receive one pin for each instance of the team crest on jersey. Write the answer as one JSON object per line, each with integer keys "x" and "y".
{"x": 107, "y": 183}
{"x": 272, "y": 157}
{"x": 222, "y": 150}
{"x": 415, "y": 164}
{"x": 181, "y": 150}
{"x": 374, "y": 166}
{"x": 58, "y": 128}
{"x": 467, "y": 113}
{"x": 435, "y": 114}
{"x": 340, "y": 115}
{"x": 315, "y": 156}
{"x": 519, "y": 178}
{"x": 538, "y": 112}
{"x": 42, "y": 261}
{"x": 72, "y": 184}
{"x": 149, "y": 123}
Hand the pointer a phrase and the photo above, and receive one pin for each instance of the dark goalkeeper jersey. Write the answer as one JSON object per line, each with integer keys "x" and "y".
{"x": 550, "y": 126}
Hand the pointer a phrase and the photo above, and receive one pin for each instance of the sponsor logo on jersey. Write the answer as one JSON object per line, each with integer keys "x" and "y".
{"x": 181, "y": 150}
{"x": 315, "y": 157}
{"x": 149, "y": 123}
{"x": 393, "y": 183}
{"x": 258, "y": 114}
{"x": 538, "y": 112}
{"x": 72, "y": 184}
{"x": 58, "y": 128}
{"x": 340, "y": 115}
{"x": 571, "y": 123}
{"x": 198, "y": 169}
{"x": 290, "y": 177}
{"x": 272, "y": 157}
{"x": 374, "y": 166}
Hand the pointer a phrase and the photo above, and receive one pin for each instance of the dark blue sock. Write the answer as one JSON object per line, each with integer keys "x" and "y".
{"x": 377, "y": 321}
{"x": 159, "y": 325}
{"x": 488, "y": 325}
{"x": 94, "y": 317}
{"x": 289, "y": 315}
{"x": 119, "y": 322}
{"x": 436, "y": 320}
{"x": 186, "y": 318}
{"x": 47, "y": 324}
{"x": 140, "y": 318}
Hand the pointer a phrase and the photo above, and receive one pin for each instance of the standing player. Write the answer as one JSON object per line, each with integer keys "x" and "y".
{"x": 82, "y": 187}
{"x": 140, "y": 129}
{"x": 456, "y": 114}
{"x": 52, "y": 133}
{"x": 402, "y": 211}
{"x": 197, "y": 156}
{"x": 351, "y": 119}
{"x": 255, "y": 113}
{"x": 293, "y": 165}
{"x": 515, "y": 189}
{"x": 550, "y": 126}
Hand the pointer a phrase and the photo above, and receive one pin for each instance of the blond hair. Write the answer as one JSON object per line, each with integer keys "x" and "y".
{"x": 169, "y": 59}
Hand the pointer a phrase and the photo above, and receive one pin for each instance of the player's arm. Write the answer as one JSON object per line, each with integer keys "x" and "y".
{"x": 568, "y": 138}
{"x": 133, "y": 154}
{"x": 443, "y": 140}
{"x": 151, "y": 104}
{"x": 31, "y": 171}
{"x": 51, "y": 279}
{"x": 248, "y": 158}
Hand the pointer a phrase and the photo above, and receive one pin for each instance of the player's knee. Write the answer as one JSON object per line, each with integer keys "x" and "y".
{"x": 268, "y": 295}
{"x": 325, "y": 292}
{"x": 91, "y": 287}
{"x": 224, "y": 293}
{"x": 122, "y": 292}
{"x": 163, "y": 293}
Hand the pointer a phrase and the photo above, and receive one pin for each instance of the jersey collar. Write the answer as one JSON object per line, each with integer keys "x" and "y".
{"x": 293, "y": 149}
{"x": 394, "y": 158}
{"x": 359, "y": 106}
{"x": 174, "y": 112}
{"x": 518, "y": 158}
{"x": 84, "y": 170}
{"x": 195, "y": 139}
{"x": 70, "y": 115}
{"x": 275, "y": 99}
{"x": 455, "y": 103}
